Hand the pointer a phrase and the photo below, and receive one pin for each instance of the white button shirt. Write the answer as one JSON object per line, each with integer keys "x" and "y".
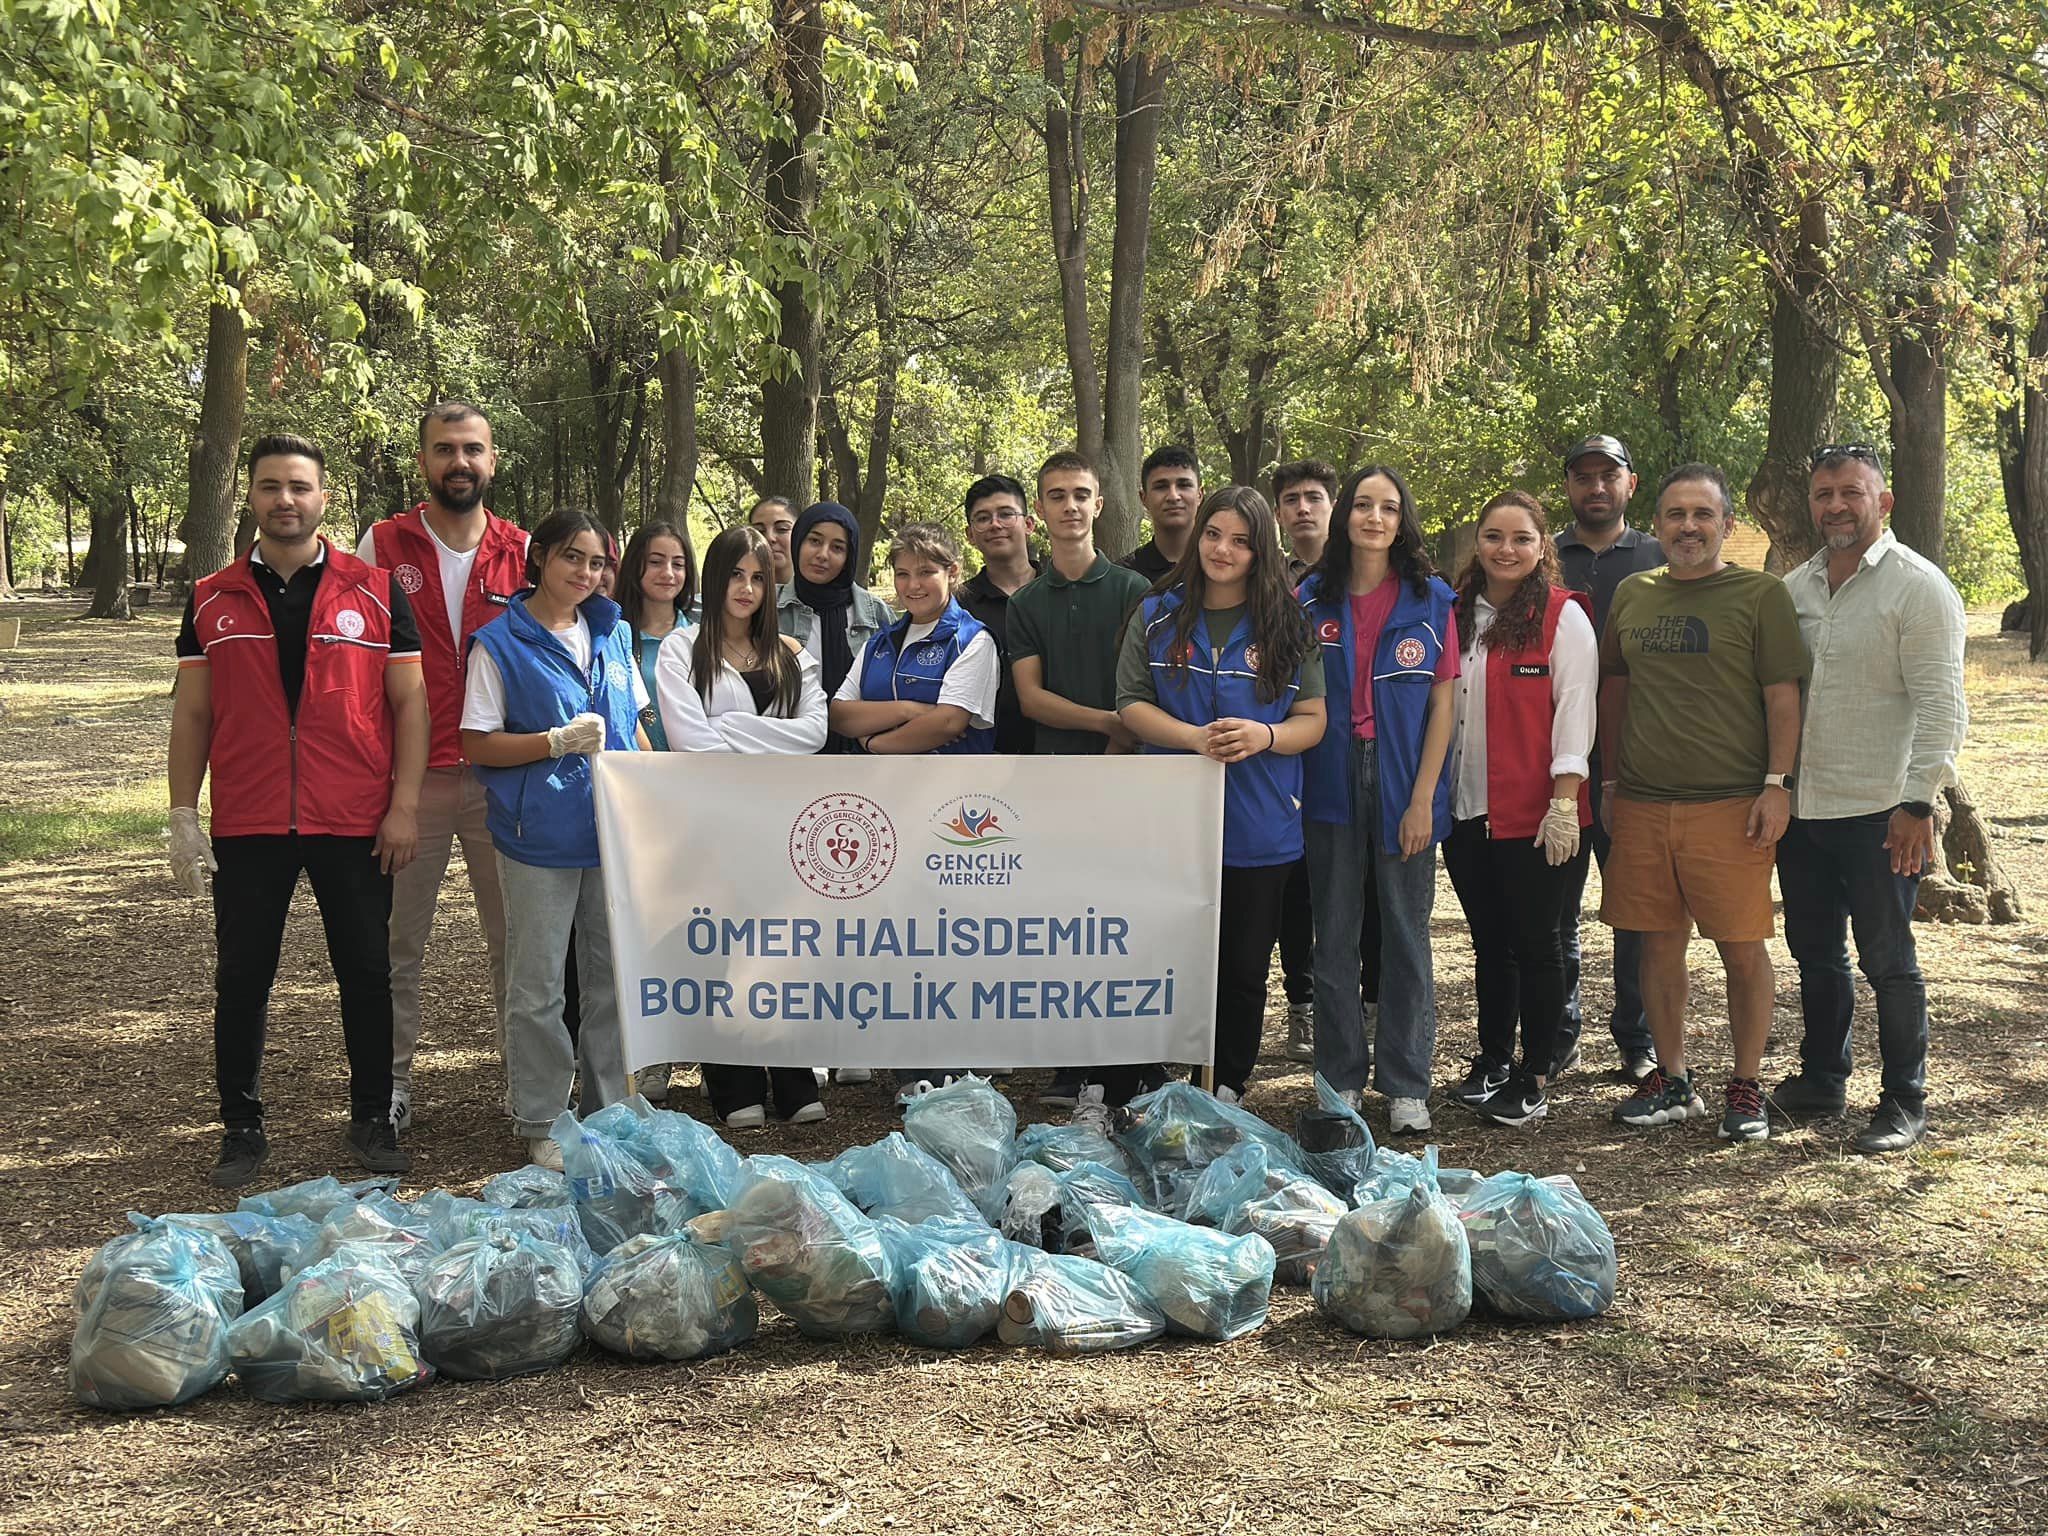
{"x": 1885, "y": 714}
{"x": 1574, "y": 687}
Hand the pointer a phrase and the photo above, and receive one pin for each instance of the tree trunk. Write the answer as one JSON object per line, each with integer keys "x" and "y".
{"x": 1965, "y": 883}
{"x": 6, "y": 549}
{"x": 1919, "y": 440}
{"x": 106, "y": 558}
{"x": 1140, "y": 106}
{"x": 211, "y": 507}
{"x": 789, "y": 395}
{"x": 678, "y": 401}
{"x": 1173, "y": 380}
{"x": 2034, "y": 481}
{"x": 1067, "y": 185}
{"x": 1806, "y": 365}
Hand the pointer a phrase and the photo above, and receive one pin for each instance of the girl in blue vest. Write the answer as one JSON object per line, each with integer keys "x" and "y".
{"x": 928, "y": 682}
{"x": 550, "y": 681}
{"x": 1218, "y": 661}
{"x": 1376, "y": 799}
{"x": 736, "y": 685}
{"x": 1531, "y": 671}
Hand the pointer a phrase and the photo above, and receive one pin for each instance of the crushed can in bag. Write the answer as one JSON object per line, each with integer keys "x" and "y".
{"x": 669, "y": 1298}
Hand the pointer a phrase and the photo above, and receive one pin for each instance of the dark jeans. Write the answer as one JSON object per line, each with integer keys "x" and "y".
{"x": 734, "y": 1088}
{"x": 1514, "y": 901}
{"x": 252, "y": 895}
{"x": 1835, "y": 875}
{"x": 1247, "y": 924}
{"x": 1298, "y": 942}
{"x": 1627, "y": 1023}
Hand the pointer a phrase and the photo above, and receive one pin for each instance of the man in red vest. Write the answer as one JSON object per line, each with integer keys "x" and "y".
{"x": 299, "y": 688}
{"x": 460, "y": 565}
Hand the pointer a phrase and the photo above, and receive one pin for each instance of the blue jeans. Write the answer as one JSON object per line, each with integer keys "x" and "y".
{"x": 1836, "y": 875}
{"x": 1627, "y": 1023}
{"x": 1342, "y": 861}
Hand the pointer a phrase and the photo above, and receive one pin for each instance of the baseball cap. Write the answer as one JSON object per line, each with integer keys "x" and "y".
{"x": 1613, "y": 447}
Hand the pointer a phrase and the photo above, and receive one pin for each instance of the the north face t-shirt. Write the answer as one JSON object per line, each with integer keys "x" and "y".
{"x": 1698, "y": 656}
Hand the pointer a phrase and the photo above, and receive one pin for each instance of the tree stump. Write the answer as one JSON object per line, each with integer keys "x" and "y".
{"x": 1965, "y": 883}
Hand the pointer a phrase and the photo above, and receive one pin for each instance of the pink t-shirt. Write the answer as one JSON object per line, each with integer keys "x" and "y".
{"x": 1369, "y": 614}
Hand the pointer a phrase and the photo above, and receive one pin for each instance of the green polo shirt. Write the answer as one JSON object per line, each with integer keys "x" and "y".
{"x": 1073, "y": 627}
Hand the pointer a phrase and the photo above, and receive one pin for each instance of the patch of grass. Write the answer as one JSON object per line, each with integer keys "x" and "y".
{"x": 125, "y": 820}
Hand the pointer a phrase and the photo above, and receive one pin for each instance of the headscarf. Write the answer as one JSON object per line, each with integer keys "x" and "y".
{"x": 831, "y": 600}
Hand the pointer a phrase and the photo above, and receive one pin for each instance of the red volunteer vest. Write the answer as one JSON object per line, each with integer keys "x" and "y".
{"x": 1518, "y": 718}
{"x": 329, "y": 772}
{"x": 405, "y": 549}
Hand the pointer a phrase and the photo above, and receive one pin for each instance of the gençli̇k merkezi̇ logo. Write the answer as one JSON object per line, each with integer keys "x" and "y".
{"x": 978, "y": 831}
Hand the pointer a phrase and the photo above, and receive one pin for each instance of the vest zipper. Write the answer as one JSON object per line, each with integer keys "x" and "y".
{"x": 295, "y": 774}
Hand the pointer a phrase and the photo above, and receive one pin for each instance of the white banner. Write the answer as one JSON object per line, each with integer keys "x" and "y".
{"x": 937, "y": 912}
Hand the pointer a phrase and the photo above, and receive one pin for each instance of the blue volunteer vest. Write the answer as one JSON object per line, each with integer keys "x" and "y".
{"x": 916, "y": 672}
{"x": 1403, "y": 671}
{"x": 543, "y": 813}
{"x": 1262, "y": 794}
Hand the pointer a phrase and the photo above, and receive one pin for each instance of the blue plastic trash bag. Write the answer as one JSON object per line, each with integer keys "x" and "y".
{"x": 972, "y": 1129}
{"x": 377, "y": 1222}
{"x": 499, "y": 1306}
{"x": 344, "y": 1331}
{"x": 1399, "y": 1266}
{"x": 1178, "y": 1130}
{"x": 453, "y": 1219}
{"x": 896, "y": 1177}
{"x": 1208, "y": 1283}
{"x": 617, "y": 1194}
{"x": 1539, "y": 1249}
{"x": 669, "y": 1298}
{"x": 1074, "y": 1306}
{"x": 1060, "y": 1147}
{"x": 154, "y": 1309}
{"x": 698, "y": 1159}
{"x": 947, "y": 1279}
{"x": 263, "y": 1246}
{"x": 1233, "y": 1181}
{"x": 806, "y": 1248}
{"x": 1297, "y": 1220}
{"x": 314, "y": 1199}
{"x": 1048, "y": 1210}
{"x": 1336, "y": 1144}
{"x": 531, "y": 1185}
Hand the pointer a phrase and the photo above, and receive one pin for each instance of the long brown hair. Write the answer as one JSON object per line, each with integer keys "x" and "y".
{"x": 633, "y": 565}
{"x": 707, "y": 651}
{"x": 1278, "y": 628}
{"x": 1408, "y": 558}
{"x": 1518, "y": 625}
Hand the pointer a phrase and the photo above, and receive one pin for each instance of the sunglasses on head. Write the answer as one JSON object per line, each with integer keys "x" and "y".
{"x": 1827, "y": 453}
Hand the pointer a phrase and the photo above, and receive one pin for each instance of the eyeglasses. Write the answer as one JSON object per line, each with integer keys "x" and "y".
{"x": 1827, "y": 453}
{"x": 988, "y": 519}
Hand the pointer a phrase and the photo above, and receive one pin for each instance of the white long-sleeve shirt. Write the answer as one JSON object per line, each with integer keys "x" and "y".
{"x": 1574, "y": 696}
{"x": 728, "y": 722}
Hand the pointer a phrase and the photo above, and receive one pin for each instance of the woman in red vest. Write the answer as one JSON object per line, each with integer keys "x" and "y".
{"x": 1526, "y": 708}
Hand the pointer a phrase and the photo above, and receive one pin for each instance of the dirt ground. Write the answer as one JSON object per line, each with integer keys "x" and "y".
{"x": 1804, "y": 1340}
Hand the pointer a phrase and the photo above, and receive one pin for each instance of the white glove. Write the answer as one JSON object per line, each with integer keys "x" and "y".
{"x": 1558, "y": 836}
{"x": 583, "y": 734}
{"x": 191, "y": 853}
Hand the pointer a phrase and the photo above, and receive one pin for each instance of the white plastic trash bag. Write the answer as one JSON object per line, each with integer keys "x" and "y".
{"x": 1399, "y": 1267}
{"x": 154, "y": 1310}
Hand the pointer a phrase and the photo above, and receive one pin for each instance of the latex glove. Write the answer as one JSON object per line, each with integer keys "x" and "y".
{"x": 191, "y": 852}
{"x": 1558, "y": 836}
{"x": 583, "y": 734}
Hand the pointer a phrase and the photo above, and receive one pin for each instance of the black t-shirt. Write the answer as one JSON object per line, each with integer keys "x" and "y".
{"x": 981, "y": 597}
{"x": 1147, "y": 561}
{"x": 291, "y": 616}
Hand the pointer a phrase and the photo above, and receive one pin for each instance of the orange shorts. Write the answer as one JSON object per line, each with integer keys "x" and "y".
{"x": 1675, "y": 864}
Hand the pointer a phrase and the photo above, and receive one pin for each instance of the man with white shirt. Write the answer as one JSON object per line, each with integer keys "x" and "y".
{"x": 460, "y": 565}
{"x": 1885, "y": 717}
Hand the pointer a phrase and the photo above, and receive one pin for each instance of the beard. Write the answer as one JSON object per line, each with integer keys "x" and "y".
{"x": 1844, "y": 539}
{"x": 1686, "y": 556}
{"x": 465, "y": 494}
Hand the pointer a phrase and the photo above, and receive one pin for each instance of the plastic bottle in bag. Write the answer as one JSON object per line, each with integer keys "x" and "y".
{"x": 1398, "y": 1267}
{"x": 1060, "y": 1147}
{"x": 345, "y": 1330}
{"x": 531, "y": 1185}
{"x": 1208, "y": 1283}
{"x": 669, "y": 1298}
{"x": 972, "y": 1129}
{"x": 948, "y": 1279}
{"x": 1074, "y": 1306}
{"x": 499, "y": 1306}
{"x": 377, "y": 1221}
{"x": 453, "y": 1219}
{"x": 1297, "y": 1220}
{"x": 1049, "y": 1210}
{"x": 1539, "y": 1249}
{"x": 262, "y": 1246}
{"x": 154, "y": 1309}
{"x": 806, "y": 1248}
{"x": 617, "y": 1194}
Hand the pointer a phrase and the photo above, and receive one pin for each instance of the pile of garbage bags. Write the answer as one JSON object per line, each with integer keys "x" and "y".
{"x": 658, "y": 1241}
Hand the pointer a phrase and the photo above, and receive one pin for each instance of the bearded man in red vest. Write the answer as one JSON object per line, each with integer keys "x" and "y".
{"x": 299, "y": 688}
{"x": 460, "y": 564}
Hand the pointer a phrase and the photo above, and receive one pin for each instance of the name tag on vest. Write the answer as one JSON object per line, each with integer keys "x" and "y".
{"x": 1521, "y": 669}
{"x": 502, "y": 599}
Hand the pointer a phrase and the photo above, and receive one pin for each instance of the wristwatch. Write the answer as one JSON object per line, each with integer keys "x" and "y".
{"x": 1778, "y": 781}
{"x": 1918, "y": 808}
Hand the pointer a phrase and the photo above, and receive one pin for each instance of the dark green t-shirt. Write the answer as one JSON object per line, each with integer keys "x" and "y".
{"x": 1072, "y": 627}
{"x": 1698, "y": 656}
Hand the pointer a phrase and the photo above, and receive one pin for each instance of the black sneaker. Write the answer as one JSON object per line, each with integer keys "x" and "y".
{"x": 1661, "y": 1100}
{"x": 243, "y": 1152}
{"x": 1636, "y": 1066}
{"x": 1516, "y": 1102}
{"x": 1893, "y": 1128}
{"x": 1064, "y": 1090}
{"x": 1488, "y": 1076}
{"x": 375, "y": 1145}
{"x": 1573, "y": 1058}
{"x": 1806, "y": 1098}
{"x": 1744, "y": 1119}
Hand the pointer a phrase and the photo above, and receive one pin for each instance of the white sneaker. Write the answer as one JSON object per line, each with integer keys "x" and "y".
{"x": 822, "y": 1074}
{"x": 810, "y": 1114}
{"x": 401, "y": 1110}
{"x": 1407, "y": 1116}
{"x": 1090, "y": 1111}
{"x": 1353, "y": 1098}
{"x": 850, "y": 1077}
{"x": 545, "y": 1151}
{"x": 651, "y": 1083}
{"x": 752, "y": 1118}
{"x": 1225, "y": 1094}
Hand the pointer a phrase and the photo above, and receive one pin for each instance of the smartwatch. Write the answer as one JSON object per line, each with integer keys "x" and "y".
{"x": 1919, "y": 808}
{"x": 1778, "y": 781}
